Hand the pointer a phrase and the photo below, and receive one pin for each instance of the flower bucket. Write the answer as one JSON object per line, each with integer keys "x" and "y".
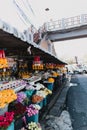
{"x": 45, "y": 101}
{"x": 48, "y": 98}
{"x": 11, "y": 127}
{"x": 29, "y": 93}
{"x": 3, "y": 110}
{"x": 33, "y": 118}
{"x": 19, "y": 123}
{"x": 50, "y": 86}
{"x": 40, "y": 103}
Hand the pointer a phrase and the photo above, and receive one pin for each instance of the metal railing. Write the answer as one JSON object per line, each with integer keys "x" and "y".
{"x": 65, "y": 23}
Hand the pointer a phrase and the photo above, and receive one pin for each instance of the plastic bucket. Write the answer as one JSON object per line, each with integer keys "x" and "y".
{"x": 40, "y": 103}
{"x": 45, "y": 101}
{"x": 50, "y": 86}
{"x": 11, "y": 126}
{"x": 33, "y": 118}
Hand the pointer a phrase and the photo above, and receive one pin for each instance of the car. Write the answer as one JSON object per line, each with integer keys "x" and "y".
{"x": 80, "y": 70}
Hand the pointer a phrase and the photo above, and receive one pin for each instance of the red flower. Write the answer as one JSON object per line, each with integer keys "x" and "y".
{"x": 6, "y": 119}
{"x": 1, "y": 118}
{"x": 18, "y": 109}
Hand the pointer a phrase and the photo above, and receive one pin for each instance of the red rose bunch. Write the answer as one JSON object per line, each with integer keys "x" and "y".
{"x": 19, "y": 109}
{"x": 6, "y": 119}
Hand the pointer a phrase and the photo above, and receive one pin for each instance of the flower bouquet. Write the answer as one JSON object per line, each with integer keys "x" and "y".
{"x": 18, "y": 109}
{"x": 31, "y": 110}
{"x": 6, "y": 120}
{"x": 6, "y": 97}
{"x": 36, "y": 98}
{"x": 34, "y": 126}
{"x": 32, "y": 113}
{"x": 22, "y": 98}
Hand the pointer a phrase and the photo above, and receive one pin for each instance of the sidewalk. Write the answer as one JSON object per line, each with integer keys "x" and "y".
{"x": 55, "y": 108}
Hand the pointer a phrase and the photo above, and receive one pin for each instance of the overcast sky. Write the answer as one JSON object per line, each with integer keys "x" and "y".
{"x": 72, "y": 48}
{"x": 57, "y": 9}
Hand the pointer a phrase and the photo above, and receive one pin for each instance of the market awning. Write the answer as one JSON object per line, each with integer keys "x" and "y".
{"x": 11, "y": 40}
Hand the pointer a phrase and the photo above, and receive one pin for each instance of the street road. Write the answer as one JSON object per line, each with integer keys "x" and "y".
{"x": 76, "y": 101}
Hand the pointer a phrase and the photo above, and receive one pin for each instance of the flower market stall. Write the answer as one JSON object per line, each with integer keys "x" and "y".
{"x": 27, "y": 81}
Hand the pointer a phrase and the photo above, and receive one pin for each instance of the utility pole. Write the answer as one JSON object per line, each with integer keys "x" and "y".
{"x": 76, "y": 59}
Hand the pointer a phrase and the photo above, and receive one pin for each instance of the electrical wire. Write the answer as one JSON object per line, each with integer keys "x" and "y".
{"x": 22, "y": 14}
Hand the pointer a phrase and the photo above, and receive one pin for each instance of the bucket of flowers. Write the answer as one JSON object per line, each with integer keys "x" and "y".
{"x": 7, "y": 121}
{"x": 32, "y": 113}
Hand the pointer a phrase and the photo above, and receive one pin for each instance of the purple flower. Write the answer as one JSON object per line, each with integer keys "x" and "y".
{"x": 21, "y": 97}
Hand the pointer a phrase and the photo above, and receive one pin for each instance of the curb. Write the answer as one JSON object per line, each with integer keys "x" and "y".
{"x": 59, "y": 99}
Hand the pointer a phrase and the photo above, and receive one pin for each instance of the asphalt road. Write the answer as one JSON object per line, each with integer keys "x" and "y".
{"x": 76, "y": 102}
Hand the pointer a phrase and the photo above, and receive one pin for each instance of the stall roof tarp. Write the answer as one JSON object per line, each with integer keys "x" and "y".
{"x": 11, "y": 37}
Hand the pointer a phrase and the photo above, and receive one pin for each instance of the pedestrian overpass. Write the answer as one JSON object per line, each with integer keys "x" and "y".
{"x": 66, "y": 28}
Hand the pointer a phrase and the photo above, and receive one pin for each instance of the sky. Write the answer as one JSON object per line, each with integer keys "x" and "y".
{"x": 58, "y": 9}
{"x": 71, "y": 49}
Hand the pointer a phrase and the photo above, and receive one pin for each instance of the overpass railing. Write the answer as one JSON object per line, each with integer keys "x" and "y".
{"x": 65, "y": 23}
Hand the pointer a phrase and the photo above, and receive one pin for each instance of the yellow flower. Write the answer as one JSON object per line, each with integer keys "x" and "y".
{"x": 2, "y": 105}
{"x": 7, "y": 96}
